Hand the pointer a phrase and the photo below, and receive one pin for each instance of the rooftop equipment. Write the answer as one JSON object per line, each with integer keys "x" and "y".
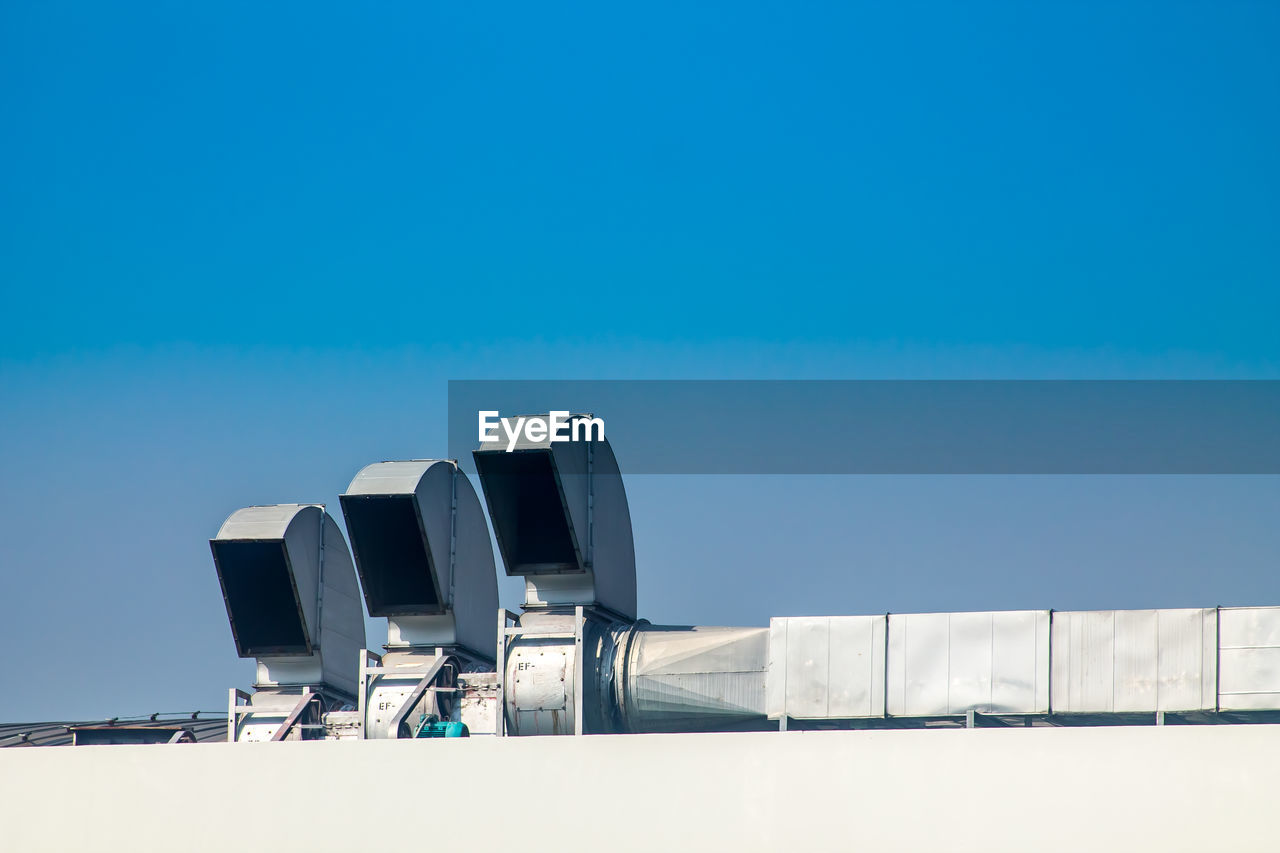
{"x": 559, "y": 512}
{"x": 576, "y": 660}
{"x": 425, "y": 561}
{"x": 293, "y": 604}
{"x": 422, "y": 549}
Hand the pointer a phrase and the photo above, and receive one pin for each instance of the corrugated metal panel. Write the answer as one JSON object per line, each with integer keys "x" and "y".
{"x": 1134, "y": 661}
{"x": 1249, "y": 658}
{"x": 942, "y": 664}
{"x": 826, "y": 667}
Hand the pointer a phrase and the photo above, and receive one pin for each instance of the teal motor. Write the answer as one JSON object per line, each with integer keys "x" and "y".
{"x": 435, "y": 727}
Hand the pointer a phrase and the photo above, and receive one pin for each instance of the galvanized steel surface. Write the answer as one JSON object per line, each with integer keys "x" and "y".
{"x": 1085, "y": 663}
{"x": 324, "y": 603}
{"x": 567, "y": 498}
{"x": 1134, "y": 661}
{"x": 826, "y": 667}
{"x": 693, "y": 679}
{"x": 454, "y": 544}
{"x": 1249, "y": 658}
{"x": 950, "y": 663}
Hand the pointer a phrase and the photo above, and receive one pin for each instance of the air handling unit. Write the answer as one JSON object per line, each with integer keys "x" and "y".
{"x": 577, "y": 660}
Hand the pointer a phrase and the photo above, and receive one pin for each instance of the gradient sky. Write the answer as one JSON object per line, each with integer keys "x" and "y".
{"x": 242, "y": 250}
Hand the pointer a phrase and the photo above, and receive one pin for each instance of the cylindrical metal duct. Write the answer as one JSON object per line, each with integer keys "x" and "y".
{"x": 635, "y": 677}
{"x": 686, "y": 679}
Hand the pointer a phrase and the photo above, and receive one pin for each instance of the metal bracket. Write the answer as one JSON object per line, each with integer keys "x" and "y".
{"x": 398, "y": 728}
{"x": 504, "y": 616}
{"x": 234, "y": 711}
{"x": 296, "y": 714}
{"x": 368, "y": 662}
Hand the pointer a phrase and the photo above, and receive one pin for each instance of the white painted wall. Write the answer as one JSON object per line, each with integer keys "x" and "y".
{"x": 1140, "y": 788}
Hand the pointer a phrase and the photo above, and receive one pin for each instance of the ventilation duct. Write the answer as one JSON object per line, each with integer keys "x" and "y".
{"x": 423, "y": 553}
{"x": 293, "y": 605}
{"x": 559, "y": 513}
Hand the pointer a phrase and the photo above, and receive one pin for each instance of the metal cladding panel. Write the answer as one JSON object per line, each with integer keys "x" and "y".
{"x": 808, "y": 667}
{"x": 826, "y": 667}
{"x": 1249, "y": 658}
{"x": 857, "y": 666}
{"x": 1188, "y": 660}
{"x": 1134, "y": 661}
{"x": 943, "y": 664}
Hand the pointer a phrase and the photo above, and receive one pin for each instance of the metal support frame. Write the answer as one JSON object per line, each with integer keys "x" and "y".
{"x": 424, "y": 686}
{"x": 368, "y": 662}
{"x": 308, "y": 697}
{"x": 235, "y": 712}
{"x": 506, "y": 619}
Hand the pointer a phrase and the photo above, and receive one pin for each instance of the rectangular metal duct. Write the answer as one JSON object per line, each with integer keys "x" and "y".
{"x": 823, "y": 667}
{"x": 1249, "y": 658}
{"x": 1134, "y": 661}
{"x": 943, "y": 664}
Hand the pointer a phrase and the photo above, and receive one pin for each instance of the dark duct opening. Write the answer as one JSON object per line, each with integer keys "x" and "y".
{"x": 391, "y": 554}
{"x": 257, "y": 584}
{"x": 529, "y": 518}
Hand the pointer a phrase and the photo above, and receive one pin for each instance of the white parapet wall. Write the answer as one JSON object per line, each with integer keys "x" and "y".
{"x": 1046, "y": 789}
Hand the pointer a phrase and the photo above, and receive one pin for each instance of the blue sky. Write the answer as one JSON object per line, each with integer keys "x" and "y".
{"x": 242, "y": 250}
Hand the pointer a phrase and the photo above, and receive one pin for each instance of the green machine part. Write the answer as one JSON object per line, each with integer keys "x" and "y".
{"x": 432, "y": 727}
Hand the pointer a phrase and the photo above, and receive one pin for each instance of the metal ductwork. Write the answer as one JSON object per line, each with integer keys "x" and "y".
{"x": 691, "y": 679}
{"x": 559, "y": 513}
{"x": 576, "y": 660}
{"x": 425, "y": 561}
{"x": 423, "y": 554}
{"x": 292, "y": 601}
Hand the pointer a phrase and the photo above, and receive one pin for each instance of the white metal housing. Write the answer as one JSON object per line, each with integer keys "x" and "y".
{"x": 1127, "y": 661}
{"x": 291, "y": 595}
{"x": 422, "y": 549}
{"x": 560, "y": 515}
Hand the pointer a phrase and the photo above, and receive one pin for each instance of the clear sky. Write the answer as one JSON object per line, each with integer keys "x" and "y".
{"x": 243, "y": 248}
